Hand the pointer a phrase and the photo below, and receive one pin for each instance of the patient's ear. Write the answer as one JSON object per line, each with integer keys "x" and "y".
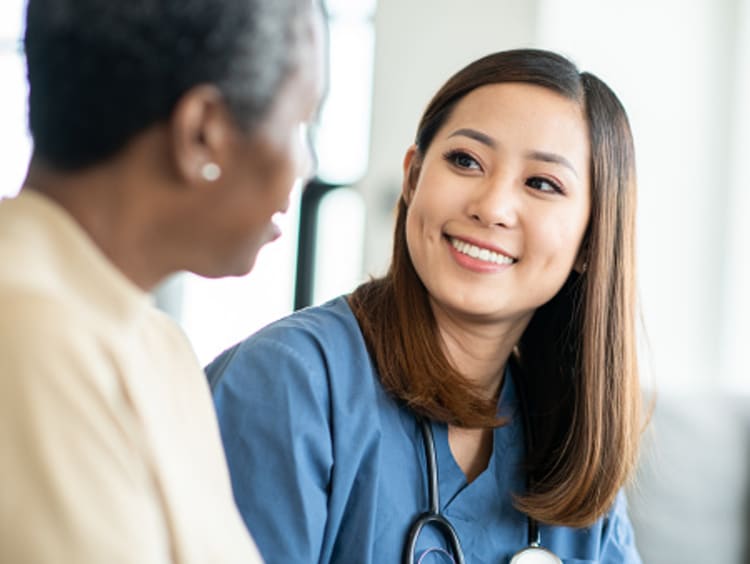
{"x": 412, "y": 165}
{"x": 200, "y": 132}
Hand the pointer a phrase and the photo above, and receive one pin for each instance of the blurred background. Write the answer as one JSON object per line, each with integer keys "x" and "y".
{"x": 682, "y": 70}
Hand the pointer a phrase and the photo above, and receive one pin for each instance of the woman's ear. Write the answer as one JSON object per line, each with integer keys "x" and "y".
{"x": 200, "y": 132}
{"x": 581, "y": 264}
{"x": 412, "y": 163}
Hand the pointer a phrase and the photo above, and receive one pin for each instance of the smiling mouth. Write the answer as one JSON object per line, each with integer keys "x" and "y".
{"x": 480, "y": 253}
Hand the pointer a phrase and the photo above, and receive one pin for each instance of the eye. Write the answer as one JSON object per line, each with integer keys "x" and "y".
{"x": 544, "y": 185}
{"x": 462, "y": 160}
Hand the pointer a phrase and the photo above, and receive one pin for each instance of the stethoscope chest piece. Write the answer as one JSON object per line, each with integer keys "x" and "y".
{"x": 535, "y": 555}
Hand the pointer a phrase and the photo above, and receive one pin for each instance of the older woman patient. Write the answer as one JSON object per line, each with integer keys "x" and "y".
{"x": 166, "y": 136}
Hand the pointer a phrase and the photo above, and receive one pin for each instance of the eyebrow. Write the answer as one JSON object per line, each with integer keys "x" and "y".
{"x": 531, "y": 155}
{"x": 476, "y": 135}
{"x": 550, "y": 158}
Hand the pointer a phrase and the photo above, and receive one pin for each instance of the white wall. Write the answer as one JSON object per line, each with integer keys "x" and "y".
{"x": 735, "y": 290}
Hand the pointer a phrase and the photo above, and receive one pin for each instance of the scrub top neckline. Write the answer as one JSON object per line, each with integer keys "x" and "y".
{"x": 452, "y": 481}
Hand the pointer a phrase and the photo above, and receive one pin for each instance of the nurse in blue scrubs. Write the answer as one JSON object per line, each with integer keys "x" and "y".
{"x": 494, "y": 361}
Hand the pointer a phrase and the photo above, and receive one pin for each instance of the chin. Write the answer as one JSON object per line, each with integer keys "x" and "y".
{"x": 243, "y": 268}
{"x": 479, "y": 310}
{"x": 236, "y": 268}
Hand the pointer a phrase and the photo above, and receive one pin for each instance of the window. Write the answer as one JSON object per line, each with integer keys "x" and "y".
{"x": 15, "y": 143}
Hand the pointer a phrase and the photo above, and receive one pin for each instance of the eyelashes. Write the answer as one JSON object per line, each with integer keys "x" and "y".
{"x": 544, "y": 185}
{"x": 463, "y": 161}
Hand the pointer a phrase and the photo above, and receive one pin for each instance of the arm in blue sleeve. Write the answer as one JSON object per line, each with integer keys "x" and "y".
{"x": 272, "y": 403}
{"x": 618, "y": 542}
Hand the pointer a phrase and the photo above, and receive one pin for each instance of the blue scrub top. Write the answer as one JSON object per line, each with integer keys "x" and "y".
{"x": 326, "y": 467}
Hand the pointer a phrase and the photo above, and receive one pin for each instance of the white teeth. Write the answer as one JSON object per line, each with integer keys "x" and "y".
{"x": 480, "y": 253}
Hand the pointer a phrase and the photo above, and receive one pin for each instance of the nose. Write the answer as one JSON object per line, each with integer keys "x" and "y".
{"x": 495, "y": 202}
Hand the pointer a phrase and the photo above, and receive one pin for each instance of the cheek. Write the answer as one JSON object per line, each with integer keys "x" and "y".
{"x": 558, "y": 240}
{"x": 422, "y": 227}
{"x": 432, "y": 204}
{"x": 419, "y": 231}
{"x": 296, "y": 163}
{"x": 412, "y": 230}
{"x": 282, "y": 187}
{"x": 274, "y": 186}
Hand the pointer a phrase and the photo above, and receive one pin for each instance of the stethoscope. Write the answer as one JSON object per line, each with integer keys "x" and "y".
{"x": 534, "y": 553}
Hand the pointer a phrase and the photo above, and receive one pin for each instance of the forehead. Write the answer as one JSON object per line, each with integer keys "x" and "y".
{"x": 523, "y": 115}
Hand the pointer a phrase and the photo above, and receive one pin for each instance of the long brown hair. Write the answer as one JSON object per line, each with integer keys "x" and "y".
{"x": 576, "y": 362}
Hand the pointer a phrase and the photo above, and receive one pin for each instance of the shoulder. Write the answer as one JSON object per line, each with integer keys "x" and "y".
{"x": 329, "y": 325}
{"x": 58, "y": 376}
{"x": 315, "y": 339}
{"x": 159, "y": 328}
{"x": 50, "y": 344}
{"x": 33, "y": 323}
{"x": 618, "y": 539}
{"x": 315, "y": 360}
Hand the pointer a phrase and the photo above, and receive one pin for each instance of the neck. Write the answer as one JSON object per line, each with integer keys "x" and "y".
{"x": 479, "y": 349}
{"x": 106, "y": 202}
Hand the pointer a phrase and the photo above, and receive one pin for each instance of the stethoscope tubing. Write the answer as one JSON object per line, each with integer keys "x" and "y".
{"x": 433, "y": 515}
{"x": 532, "y": 553}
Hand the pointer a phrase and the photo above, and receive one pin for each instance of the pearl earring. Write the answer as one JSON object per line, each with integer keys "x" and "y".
{"x": 210, "y": 172}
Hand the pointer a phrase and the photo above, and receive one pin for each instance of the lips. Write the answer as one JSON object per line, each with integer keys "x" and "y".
{"x": 483, "y": 253}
